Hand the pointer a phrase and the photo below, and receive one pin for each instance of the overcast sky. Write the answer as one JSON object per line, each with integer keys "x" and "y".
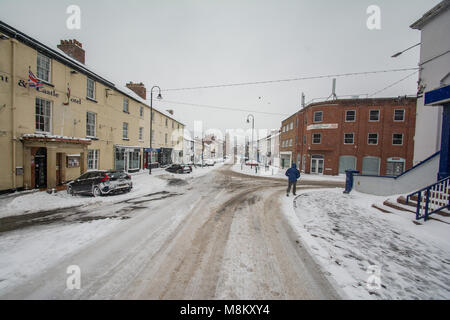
{"x": 177, "y": 44}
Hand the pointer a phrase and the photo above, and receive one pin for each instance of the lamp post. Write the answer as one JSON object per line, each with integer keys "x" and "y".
{"x": 253, "y": 127}
{"x": 399, "y": 53}
{"x": 149, "y": 164}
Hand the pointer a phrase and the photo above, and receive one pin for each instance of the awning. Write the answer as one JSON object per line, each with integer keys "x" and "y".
{"x": 437, "y": 97}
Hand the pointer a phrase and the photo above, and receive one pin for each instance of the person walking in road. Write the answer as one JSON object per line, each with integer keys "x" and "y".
{"x": 293, "y": 174}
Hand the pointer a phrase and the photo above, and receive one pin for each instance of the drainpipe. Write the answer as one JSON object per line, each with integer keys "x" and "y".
{"x": 13, "y": 111}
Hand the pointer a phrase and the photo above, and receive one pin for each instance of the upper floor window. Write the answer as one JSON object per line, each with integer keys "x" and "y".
{"x": 165, "y": 138}
{"x": 349, "y": 138}
{"x": 125, "y": 130}
{"x": 43, "y": 115}
{"x": 317, "y": 138}
{"x": 43, "y": 67}
{"x": 318, "y": 116}
{"x": 173, "y": 125}
{"x": 141, "y": 111}
{"x": 397, "y": 139}
{"x": 292, "y": 125}
{"x": 125, "y": 105}
{"x": 90, "y": 88}
{"x": 350, "y": 115}
{"x": 372, "y": 138}
{"x": 374, "y": 115}
{"x": 141, "y": 133}
{"x": 399, "y": 115}
{"x": 167, "y": 123}
{"x": 91, "y": 119}
{"x": 92, "y": 159}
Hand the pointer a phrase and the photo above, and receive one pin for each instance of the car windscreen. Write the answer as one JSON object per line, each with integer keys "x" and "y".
{"x": 116, "y": 175}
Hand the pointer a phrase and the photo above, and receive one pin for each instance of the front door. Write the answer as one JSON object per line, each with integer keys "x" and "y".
{"x": 317, "y": 166}
{"x": 40, "y": 168}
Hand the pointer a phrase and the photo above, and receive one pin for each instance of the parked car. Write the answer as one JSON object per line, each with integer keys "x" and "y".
{"x": 98, "y": 183}
{"x": 179, "y": 168}
{"x": 210, "y": 162}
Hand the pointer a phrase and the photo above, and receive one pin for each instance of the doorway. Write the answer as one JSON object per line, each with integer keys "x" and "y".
{"x": 40, "y": 168}
{"x": 317, "y": 163}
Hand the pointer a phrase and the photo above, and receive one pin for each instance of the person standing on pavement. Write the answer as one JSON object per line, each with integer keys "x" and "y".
{"x": 293, "y": 174}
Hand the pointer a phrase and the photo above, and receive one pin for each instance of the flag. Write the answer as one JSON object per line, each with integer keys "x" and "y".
{"x": 33, "y": 81}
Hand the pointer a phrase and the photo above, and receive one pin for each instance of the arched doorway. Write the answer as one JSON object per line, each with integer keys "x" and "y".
{"x": 40, "y": 168}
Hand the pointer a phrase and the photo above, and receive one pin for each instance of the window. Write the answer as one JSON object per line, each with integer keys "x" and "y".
{"x": 292, "y": 125}
{"x": 350, "y": 115}
{"x": 316, "y": 138}
{"x": 304, "y": 139}
{"x": 173, "y": 125}
{"x": 91, "y": 119}
{"x": 347, "y": 163}
{"x": 165, "y": 138}
{"x": 125, "y": 131}
{"x": 374, "y": 115}
{"x": 90, "y": 88}
{"x": 290, "y": 142}
{"x": 43, "y": 115}
{"x": 43, "y": 67}
{"x": 125, "y": 105}
{"x": 141, "y": 131}
{"x": 167, "y": 123}
{"x": 93, "y": 159}
{"x": 349, "y": 138}
{"x": 395, "y": 166}
{"x": 399, "y": 115}
{"x": 397, "y": 139}
{"x": 141, "y": 111}
{"x": 318, "y": 116}
{"x": 372, "y": 138}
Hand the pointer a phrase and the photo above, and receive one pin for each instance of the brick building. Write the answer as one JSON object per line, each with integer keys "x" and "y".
{"x": 373, "y": 136}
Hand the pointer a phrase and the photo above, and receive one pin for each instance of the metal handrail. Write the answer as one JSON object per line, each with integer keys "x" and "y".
{"x": 427, "y": 201}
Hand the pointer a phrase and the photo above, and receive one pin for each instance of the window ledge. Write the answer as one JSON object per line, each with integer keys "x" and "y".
{"x": 91, "y": 99}
{"x": 126, "y": 112}
{"x": 92, "y": 138}
{"x": 127, "y": 139}
{"x": 47, "y": 83}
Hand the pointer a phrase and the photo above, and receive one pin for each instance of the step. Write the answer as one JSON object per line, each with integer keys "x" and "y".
{"x": 380, "y": 209}
{"x": 388, "y": 203}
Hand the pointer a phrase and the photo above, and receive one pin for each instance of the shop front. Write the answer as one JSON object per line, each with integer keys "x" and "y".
{"x": 50, "y": 161}
{"x": 151, "y": 156}
{"x": 127, "y": 158}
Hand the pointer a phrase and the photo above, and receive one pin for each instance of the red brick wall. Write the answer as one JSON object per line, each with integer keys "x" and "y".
{"x": 332, "y": 140}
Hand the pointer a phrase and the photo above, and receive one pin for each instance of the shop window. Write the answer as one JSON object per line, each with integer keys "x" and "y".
{"x": 43, "y": 115}
{"x": 395, "y": 166}
{"x": 371, "y": 166}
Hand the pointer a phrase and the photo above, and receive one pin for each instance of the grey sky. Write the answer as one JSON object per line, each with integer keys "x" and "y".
{"x": 193, "y": 43}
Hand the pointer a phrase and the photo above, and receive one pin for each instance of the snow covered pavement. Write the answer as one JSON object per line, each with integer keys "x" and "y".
{"x": 370, "y": 254}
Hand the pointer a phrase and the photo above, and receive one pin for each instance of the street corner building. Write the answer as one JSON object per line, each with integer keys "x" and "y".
{"x": 59, "y": 118}
{"x": 374, "y": 136}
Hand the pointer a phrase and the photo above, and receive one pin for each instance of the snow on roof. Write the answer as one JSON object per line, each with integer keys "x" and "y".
{"x": 51, "y": 136}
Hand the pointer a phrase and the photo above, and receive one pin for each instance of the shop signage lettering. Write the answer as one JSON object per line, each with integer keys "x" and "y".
{"x": 322, "y": 126}
{"x": 75, "y": 100}
{"x": 3, "y": 78}
{"x": 53, "y": 93}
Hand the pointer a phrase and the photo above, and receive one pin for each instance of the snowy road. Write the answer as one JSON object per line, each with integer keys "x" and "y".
{"x": 217, "y": 236}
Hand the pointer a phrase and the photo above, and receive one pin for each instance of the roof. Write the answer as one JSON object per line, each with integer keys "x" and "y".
{"x": 431, "y": 14}
{"x": 65, "y": 59}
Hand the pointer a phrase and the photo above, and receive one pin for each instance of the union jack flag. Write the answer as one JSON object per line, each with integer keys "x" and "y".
{"x": 33, "y": 81}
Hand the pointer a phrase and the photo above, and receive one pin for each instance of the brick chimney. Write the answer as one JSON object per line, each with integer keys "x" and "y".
{"x": 138, "y": 88}
{"x": 74, "y": 49}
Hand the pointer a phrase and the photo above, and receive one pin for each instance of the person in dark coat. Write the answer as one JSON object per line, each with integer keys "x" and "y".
{"x": 293, "y": 174}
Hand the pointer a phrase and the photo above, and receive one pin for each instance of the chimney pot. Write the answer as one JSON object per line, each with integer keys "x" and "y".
{"x": 74, "y": 49}
{"x": 138, "y": 88}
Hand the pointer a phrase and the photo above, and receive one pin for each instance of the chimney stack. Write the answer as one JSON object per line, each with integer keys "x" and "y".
{"x": 170, "y": 111}
{"x": 138, "y": 88}
{"x": 74, "y": 49}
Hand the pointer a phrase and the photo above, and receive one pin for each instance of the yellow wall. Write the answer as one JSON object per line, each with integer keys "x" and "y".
{"x": 69, "y": 120}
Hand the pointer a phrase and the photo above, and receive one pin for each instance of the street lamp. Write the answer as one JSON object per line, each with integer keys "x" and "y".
{"x": 253, "y": 126}
{"x": 149, "y": 164}
{"x": 399, "y": 53}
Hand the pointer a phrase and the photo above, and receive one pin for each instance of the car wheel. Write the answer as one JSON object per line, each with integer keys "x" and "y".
{"x": 70, "y": 191}
{"x": 96, "y": 192}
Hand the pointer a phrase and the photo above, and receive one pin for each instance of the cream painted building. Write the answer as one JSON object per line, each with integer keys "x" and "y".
{"x": 76, "y": 121}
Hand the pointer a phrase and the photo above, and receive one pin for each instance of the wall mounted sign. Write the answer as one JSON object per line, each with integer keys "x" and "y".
{"x": 322, "y": 126}
{"x": 73, "y": 162}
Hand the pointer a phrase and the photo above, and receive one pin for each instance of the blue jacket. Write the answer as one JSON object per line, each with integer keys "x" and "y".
{"x": 293, "y": 173}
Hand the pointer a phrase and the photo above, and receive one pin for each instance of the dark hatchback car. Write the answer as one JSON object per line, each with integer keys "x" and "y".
{"x": 98, "y": 183}
{"x": 179, "y": 168}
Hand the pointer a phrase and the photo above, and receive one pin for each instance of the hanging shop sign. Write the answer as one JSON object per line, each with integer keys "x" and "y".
{"x": 322, "y": 126}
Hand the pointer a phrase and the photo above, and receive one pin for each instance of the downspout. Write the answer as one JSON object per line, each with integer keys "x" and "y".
{"x": 13, "y": 111}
